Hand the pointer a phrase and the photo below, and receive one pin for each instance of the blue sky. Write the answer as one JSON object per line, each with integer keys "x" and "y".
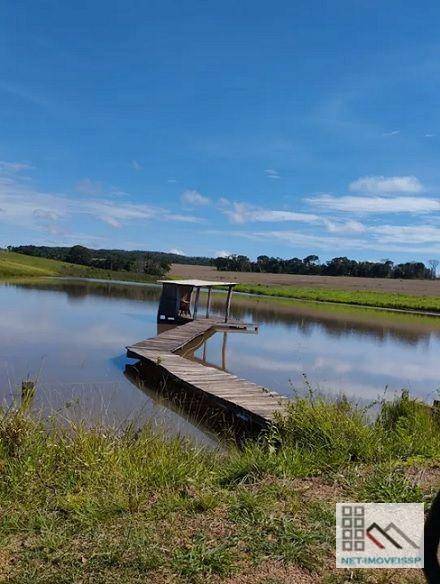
{"x": 285, "y": 128}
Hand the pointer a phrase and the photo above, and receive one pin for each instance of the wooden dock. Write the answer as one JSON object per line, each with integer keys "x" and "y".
{"x": 244, "y": 399}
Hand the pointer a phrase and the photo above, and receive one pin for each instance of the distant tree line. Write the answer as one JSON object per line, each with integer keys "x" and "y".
{"x": 340, "y": 266}
{"x": 118, "y": 258}
{"x": 144, "y": 262}
{"x": 158, "y": 263}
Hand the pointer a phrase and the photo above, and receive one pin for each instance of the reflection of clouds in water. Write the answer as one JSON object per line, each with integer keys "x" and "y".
{"x": 338, "y": 352}
{"x": 75, "y": 351}
{"x": 339, "y": 321}
{"x": 267, "y": 365}
{"x": 358, "y": 366}
{"x": 338, "y": 366}
{"x": 23, "y": 323}
{"x": 352, "y": 355}
{"x": 85, "y": 330}
{"x": 428, "y": 370}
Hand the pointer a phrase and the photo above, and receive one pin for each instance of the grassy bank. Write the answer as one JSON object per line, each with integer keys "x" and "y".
{"x": 15, "y": 265}
{"x": 355, "y": 297}
{"x": 81, "y": 505}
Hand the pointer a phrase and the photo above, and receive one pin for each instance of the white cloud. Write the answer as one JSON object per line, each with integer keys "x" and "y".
{"x": 171, "y": 180}
{"x": 47, "y": 215}
{"x": 222, "y": 253}
{"x": 353, "y": 204}
{"x": 350, "y": 226}
{"x": 86, "y": 186}
{"x": 392, "y": 133}
{"x": 176, "y": 251}
{"x": 244, "y": 213}
{"x": 194, "y": 198}
{"x": 115, "y": 214}
{"x": 336, "y": 243}
{"x": 379, "y": 185}
{"x": 25, "y": 206}
{"x": 299, "y": 238}
{"x": 95, "y": 188}
{"x": 182, "y": 218}
{"x": 111, "y": 221}
{"x": 116, "y": 192}
{"x": 14, "y": 167}
{"x": 429, "y": 135}
{"x": 411, "y": 234}
{"x": 272, "y": 173}
{"x": 136, "y": 165}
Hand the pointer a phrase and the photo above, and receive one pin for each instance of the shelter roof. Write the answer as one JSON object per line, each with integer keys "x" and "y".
{"x": 197, "y": 283}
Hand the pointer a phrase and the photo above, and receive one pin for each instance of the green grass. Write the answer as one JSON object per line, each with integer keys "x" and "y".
{"x": 355, "y": 297}
{"x": 15, "y": 265}
{"x": 96, "y": 505}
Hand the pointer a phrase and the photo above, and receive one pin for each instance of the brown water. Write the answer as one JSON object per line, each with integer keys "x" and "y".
{"x": 72, "y": 335}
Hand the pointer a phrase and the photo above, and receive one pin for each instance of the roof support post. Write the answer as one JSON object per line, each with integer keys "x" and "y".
{"x": 208, "y": 302}
{"x": 196, "y": 301}
{"x": 228, "y": 303}
{"x": 224, "y": 351}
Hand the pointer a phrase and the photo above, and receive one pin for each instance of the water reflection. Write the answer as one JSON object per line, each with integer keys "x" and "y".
{"x": 72, "y": 336}
{"x": 334, "y": 320}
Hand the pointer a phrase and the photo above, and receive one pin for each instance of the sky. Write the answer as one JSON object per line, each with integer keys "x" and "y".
{"x": 208, "y": 128}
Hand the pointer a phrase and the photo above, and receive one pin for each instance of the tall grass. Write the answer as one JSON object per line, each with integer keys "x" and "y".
{"x": 355, "y": 297}
{"x": 109, "y": 506}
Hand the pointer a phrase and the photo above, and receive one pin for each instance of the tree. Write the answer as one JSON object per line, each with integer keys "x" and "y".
{"x": 311, "y": 259}
{"x": 411, "y": 270}
{"x": 233, "y": 263}
{"x": 433, "y": 265}
{"x": 155, "y": 266}
{"x": 221, "y": 264}
{"x": 79, "y": 254}
{"x": 341, "y": 266}
{"x": 263, "y": 263}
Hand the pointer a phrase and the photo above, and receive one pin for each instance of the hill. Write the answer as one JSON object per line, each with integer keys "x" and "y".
{"x": 16, "y": 265}
{"x": 117, "y": 259}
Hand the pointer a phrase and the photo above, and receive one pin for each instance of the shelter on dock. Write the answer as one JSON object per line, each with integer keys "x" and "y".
{"x": 179, "y": 300}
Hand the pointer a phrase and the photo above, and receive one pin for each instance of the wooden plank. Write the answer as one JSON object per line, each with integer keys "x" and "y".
{"x": 160, "y": 351}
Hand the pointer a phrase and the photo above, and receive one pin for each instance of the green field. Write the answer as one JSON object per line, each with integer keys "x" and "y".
{"x": 102, "y": 506}
{"x": 15, "y": 265}
{"x": 355, "y": 297}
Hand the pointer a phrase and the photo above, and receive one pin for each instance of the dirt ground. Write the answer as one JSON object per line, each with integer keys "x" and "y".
{"x": 415, "y": 287}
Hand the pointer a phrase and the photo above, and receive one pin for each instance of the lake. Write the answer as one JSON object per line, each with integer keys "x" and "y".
{"x": 71, "y": 336}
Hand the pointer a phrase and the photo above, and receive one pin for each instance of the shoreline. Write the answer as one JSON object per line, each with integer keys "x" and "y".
{"x": 252, "y": 294}
{"x": 341, "y": 303}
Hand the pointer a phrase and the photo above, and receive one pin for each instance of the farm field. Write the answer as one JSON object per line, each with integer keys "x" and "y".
{"x": 410, "y": 287}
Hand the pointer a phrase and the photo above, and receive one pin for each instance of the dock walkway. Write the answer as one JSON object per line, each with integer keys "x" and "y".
{"x": 242, "y": 397}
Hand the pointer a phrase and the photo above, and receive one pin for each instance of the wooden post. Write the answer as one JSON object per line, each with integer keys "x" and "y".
{"x": 196, "y": 301}
{"x": 228, "y": 303}
{"x": 224, "y": 351}
{"x": 208, "y": 302}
